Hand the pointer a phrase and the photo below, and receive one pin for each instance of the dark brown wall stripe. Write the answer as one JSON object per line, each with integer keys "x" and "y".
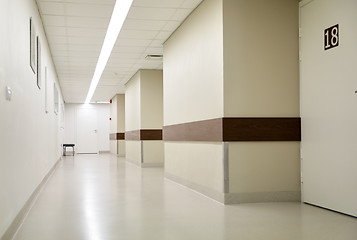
{"x": 236, "y": 129}
{"x": 116, "y": 136}
{"x": 144, "y": 134}
{"x": 261, "y": 129}
{"x": 151, "y": 134}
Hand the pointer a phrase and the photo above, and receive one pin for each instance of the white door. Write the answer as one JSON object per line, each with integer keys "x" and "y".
{"x": 87, "y": 128}
{"x": 328, "y": 71}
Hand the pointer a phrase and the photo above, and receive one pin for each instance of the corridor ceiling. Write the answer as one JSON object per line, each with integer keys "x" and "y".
{"x": 75, "y": 30}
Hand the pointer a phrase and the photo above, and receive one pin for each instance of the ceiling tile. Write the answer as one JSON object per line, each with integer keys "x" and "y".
{"x": 76, "y": 29}
{"x": 151, "y": 13}
{"x": 52, "y": 8}
{"x": 88, "y": 10}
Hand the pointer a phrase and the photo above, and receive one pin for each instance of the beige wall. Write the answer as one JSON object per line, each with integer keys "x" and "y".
{"x": 114, "y": 115}
{"x": 133, "y": 151}
{"x": 144, "y": 110}
{"x": 132, "y": 103}
{"x": 261, "y": 47}
{"x": 193, "y": 67}
{"x": 120, "y": 113}
{"x": 264, "y": 167}
{"x": 30, "y": 139}
{"x": 151, "y": 104}
{"x": 261, "y": 80}
{"x": 153, "y": 151}
{"x": 113, "y": 123}
{"x": 256, "y": 75}
{"x": 117, "y": 124}
{"x": 200, "y": 163}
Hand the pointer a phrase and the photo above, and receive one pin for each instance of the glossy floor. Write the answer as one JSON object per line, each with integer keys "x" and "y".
{"x": 97, "y": 197}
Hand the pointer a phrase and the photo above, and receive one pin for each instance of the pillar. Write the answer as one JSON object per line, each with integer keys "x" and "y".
{"x": 144, "y": 119}
{"x": 231, "y": 94}
{"x": 117, "y": 125}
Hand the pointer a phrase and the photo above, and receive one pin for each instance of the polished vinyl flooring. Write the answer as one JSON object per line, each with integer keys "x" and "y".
{"x": 100, "y": 197}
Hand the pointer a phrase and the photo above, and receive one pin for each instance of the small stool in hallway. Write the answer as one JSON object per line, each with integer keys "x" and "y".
{"x": 65, "y": 146}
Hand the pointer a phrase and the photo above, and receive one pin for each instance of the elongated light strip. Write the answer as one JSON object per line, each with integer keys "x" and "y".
{"x": 120, "y": 11}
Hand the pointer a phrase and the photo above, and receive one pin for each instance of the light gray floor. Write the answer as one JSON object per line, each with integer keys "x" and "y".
{"x": 97, "y": 197}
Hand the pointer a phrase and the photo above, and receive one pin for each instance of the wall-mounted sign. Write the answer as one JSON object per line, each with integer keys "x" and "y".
{"x": 332, "y": 37}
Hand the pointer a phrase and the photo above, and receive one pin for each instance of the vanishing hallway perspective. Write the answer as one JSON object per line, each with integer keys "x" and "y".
{"x": 102, "y": 197}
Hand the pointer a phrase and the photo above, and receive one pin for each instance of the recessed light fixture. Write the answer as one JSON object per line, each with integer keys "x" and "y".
{"x": 154, "y": 56}
{"x": 99, "y": 102}
{"x": 120, "y": 11}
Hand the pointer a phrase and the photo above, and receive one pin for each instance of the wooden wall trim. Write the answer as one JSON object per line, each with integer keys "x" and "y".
{"x": 207, "y": 130}
{"x": 151, "y": 134}
{"x": 235, "y": 129}
{"x": 144, "y": 134}
{"x": 261, "y": 129}
{"x": 132, "y": 135}
{"x": 117, "y": 136}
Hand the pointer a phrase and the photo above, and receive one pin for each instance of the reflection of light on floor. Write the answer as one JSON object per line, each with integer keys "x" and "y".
{"x": 90, "y": 212}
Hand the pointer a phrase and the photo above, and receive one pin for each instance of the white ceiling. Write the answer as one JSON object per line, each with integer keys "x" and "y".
{"x": 76, "y": 29}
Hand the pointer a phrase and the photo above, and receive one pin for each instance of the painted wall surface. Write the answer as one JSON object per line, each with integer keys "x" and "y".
{"x": 197, "y": 162}
{"x": 103, "y": 112}
{"x": 120, "y": 113}
{"x": 193, "y": 67}
{"x": 132, "y": 103}
{"x": 264, "y": 167}
{"x": 151, "y": 105}
{"x": 133, "y": 151}
{"x": 144, "y": 110}
{"x": 114, "y": 115}
{"x": 193, "y": 91}
{"x": 256, "y": 75}
{"x": 261, "y": 68}
{"x": 114, "y": 124}
{"x": 30, "y": 139}
{"x": 153, "y": 151}
{"x": 261, "y": 79}
{"x": 117, "y": 124}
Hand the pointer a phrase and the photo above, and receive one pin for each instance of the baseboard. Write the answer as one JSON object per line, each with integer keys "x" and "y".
{"x": 255, "y": 197}
{"x": 236, "y": 198}
{"x": 218, "y": 196}
{"x": 17, "y": 222}
{"x": 104, "y": 151}
{"x": 146, "y": 165}
{"x": 133, "y": 162}
{"x": 152, "y": 165}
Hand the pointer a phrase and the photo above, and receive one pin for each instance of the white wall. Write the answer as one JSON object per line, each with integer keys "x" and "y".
{"x": 103, "y": 111}
{"x": 30, "y": 139}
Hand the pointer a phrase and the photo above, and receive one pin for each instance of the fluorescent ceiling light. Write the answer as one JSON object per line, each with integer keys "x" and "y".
{"x": 120, "y": 11}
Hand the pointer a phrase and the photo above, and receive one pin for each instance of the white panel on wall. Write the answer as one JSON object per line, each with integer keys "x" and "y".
{"x": 329, "y": 104}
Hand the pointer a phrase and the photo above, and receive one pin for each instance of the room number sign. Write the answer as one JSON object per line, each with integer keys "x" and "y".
{"x": 332, "y": 37}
